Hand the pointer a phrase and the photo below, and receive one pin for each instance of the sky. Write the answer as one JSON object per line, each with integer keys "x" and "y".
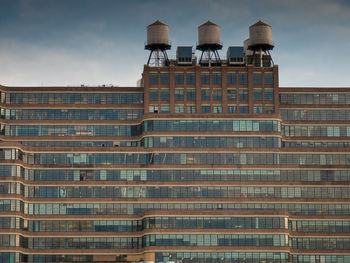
{"x": 95, "y": 42}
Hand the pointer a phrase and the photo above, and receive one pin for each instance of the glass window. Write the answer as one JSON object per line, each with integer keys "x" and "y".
{"x": 216, "y": 78}
{"x": 258, "y": 109}
{"x": 257, "y": 78}
{"x": 243, "y": 78}
{"x": 190, "y": 78}
{"x": 153, "y": 94}
{"x": 164, "y": 78}
{"x": 231, "y": 95}
{"x": 231, "y": 109}
{"x": 268, "y": 94}
{"x": 153, "y": 78}
{"x": 268, "y": 78}
{"x": 205, "y": 94}
{"x": 217, "y": 109}
{"x": 205, "y": 109}
{"x": 179, "y": 94}
{"x": 257, "y": 94}
{"x": 243, "y": 95}
{"x": 217, "y": 95}
{"x": 179, "y": 78}
{"x": 243, "y": 109}
{"x": 191, "y": 109}
{"x": 231, "y": 78}
{"x": 164, "y": 94}
{"x": 191, "y": 94}
{"x": 179, "y": 109}
{"x": 204, "y": 78}
{"x": 165, "y": 109}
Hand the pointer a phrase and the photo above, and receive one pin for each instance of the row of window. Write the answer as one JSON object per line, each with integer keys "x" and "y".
{"x": 211, "y": 142}
{"x": 315, "y": 115}
{"x": 73, "y": 98}
{"x": 146, "y": 126}
{"x": 177, "y": 192}
{"x": 137, "y": 208}
{"x": 223, "y": 257}
{"x": 150, "y": 223}
{"x": 320, "y": 258}
{"x": 210, "y": 94}
{"x": 154, "y": 240}
{"x": 297, "y": 99}
{"x": 178, "y": 158}
{"x": 212, "y": 125}
{"x": 69, "y": 114}
{"x": 329, "y": 131}
{"x": 209, "y": 109}
{"x": 320, "y": 243}
{"x": 176, "y": 175}
{"x": 319, "y": 226}
{"x": 316, "y": 144}
{"x": 67, "y": 143}
{"x": 216, "y": 78}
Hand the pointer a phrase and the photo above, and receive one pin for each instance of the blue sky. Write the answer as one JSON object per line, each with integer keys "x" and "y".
{"x": 93, "y": 42}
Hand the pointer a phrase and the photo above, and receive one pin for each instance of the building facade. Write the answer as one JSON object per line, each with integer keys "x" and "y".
{"x": 200, "y": 164}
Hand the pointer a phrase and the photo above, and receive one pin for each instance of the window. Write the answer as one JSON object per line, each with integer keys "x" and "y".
{"x": 231, "y": 95}
{"x": 165, "y": 109}
{"x": 191, "y": 94}
{"x": 153, "y": 109}
{"x": 217, "y": 94}
{"x": 243, "y": 109}
{"x": 153, "y": 78}
{"x": 191, "y": 109}
{"x": 205, "y": 94}
{"x": 243, "y": 78}
{"x": 231, "y": 78}
{"x": 258, "y": 109}
{"x": 268, "y": 78}
{"x": 257, "y": 78}
{"x": 179, "y": 78}
{"x": 153, "y": 94}
{"x": 243, "y": 94}
{"x": 164, "y": 94}
{"x": 205, "y": 109}
{"x": 216, "y": 78}
{"x": 179, "y": 94}
{"x": 204, "y": 78}
{"x": 268, "y": 94}
{"x": 190, "y": 78}
{"x": 257, "y": 94}
{"x": 231, "y": 109}
{"x": 217, "y": 109}
{"x": 179, "y": 109}
{"x": 164, "y": 78}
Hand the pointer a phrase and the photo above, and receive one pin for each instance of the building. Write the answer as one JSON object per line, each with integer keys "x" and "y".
{"x": 207, "y": 161}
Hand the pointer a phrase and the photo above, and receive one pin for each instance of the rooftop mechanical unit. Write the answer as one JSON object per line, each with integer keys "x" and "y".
{"x": 235, "y": 56}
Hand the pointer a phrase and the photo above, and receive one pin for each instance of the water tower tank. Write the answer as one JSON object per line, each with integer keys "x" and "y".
{"x": 158, "y": 34}
{"x": 209, "y": 34}
{"x": 260, "y": 36}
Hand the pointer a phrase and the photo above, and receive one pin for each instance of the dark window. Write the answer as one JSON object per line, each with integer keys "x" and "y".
{"x": 205, "y": 94}
{"x": 231, "y": 78}
{"x": 179, "y": 94}
{"x": 268, "y": 94}
{"x": 216, "y": 78}
{"x": 231, "y": 95}
{"x": 164, "y": 94}
{"x": 153, "y": 94}
{"x": 205, "y": 109}
{"x": 179, "y": 78}
{"x": 268, "y": 78}
{"x": 191, "y": 94}
{"x": 153, "y": 78}
{"x": 257, "y": 78}
{"x": 164, "y": 78}
{"x": 243, "y": 78}
{"x": 243, "y": 95}
{"x": 243, "y": 109}
{"x": 190, "y": 78}
{"x": 217, "y": 95}
{"x": 257, "y": 94}
{"x": 204, "y": 78}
